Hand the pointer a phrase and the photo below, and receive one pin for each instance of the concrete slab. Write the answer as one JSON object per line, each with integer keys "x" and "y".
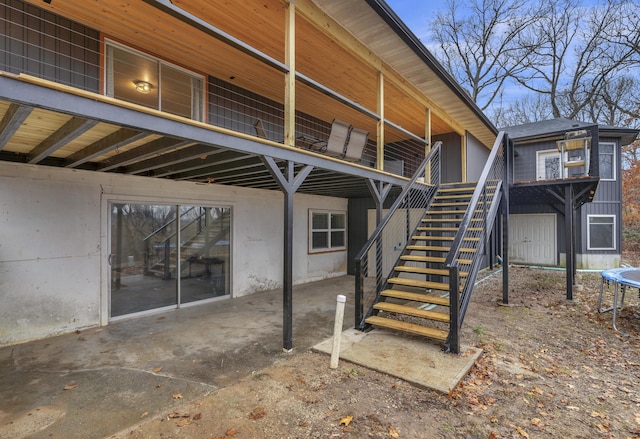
{"x": 406, "y": 357}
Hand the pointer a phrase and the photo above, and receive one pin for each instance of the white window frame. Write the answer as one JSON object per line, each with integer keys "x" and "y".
{"x": 613, "y": 160}
{"x": 108, "y": 84}
{"x": 540, "y": 168}
{"x": 613, "y": 232}
{"x": 328, "y": 230}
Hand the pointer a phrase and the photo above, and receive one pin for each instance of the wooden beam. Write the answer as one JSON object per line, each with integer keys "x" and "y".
{"x": 380, "y": 123}
{"x": 113, "y": 141}
{"x": 289, "y": 76}
{"x": 142, "y": 152}
{"x": 11, "y": 122}
{"x": 74, "y": 127}
{"x": 427, "y": 137}
{"x": 463, "y": 156}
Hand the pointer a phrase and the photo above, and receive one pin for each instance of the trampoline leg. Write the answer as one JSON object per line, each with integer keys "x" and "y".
{"x": 615, "y": 305}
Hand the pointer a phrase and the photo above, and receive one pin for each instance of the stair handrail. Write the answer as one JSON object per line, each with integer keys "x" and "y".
{"x": 165, "y": 242}
{"x": 420, "y": 172}
{"x": 496, "y": 169}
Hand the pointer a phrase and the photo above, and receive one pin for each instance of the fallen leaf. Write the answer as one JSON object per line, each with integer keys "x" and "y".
{"x": 493, "y": 435}
{"x": 536, "y": 421}
{"x": 157, "y": 369}
{"x": 346, "y": 420}
{"x": 183, "y": 422}
{"x": 393, "y": 433}
{"x": 177, "y": 396}
{"x": 70, "y": 386}
{"x": 603, "y": 428}
{"x": 257, "y": 413}
{"x": 174, "y": 415}
{"x": 144, "y": 414}
{"x": 231, "y": 432}
{"x": 522, "y": 432}
{"x": 197, "y": 416}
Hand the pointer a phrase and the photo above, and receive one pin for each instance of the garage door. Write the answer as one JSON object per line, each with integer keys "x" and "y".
{"x": 532, "y": 239}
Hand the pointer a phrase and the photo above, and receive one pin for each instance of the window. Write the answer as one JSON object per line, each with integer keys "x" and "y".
{"x": 144, "y": 80}
{"x": 327, "y": 231}
{"x": 548, "y": 165}
{"x": 607, "y": 161}
{"x": 601, "y": 233}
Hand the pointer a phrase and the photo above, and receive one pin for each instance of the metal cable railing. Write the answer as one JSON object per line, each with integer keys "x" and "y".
{"x": 473, "y": 233}
{"x": 379, "y": 255}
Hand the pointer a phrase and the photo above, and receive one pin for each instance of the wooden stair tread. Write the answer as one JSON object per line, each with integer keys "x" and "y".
{"x": 442, "y": 238}
{"x": 433, "y": 248}
{"x": 411, "y": 311}
{"x": 416, "y": 297}
{"x": 423, "y": 270}
{"x": 447, "y": 220}
{"x": 425, "y": 331}
{"x": 435, "y": 259}
{"x": 441, "y": 286}
{"x": 452, "y": 197}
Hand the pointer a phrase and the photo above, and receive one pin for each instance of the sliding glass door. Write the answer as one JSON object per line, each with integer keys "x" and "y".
{"x": 165, "y": 255}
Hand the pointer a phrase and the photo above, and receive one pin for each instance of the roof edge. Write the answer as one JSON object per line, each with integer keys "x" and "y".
{"x": 401, "y": 29}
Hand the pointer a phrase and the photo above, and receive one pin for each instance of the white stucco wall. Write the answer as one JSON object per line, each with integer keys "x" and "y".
{"x": 54, "y": 242}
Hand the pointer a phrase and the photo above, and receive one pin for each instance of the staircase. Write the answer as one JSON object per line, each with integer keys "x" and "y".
{"x": 196, "y": 247}
{"x": 416, "y": 297}
{"x": 447, "y": 228}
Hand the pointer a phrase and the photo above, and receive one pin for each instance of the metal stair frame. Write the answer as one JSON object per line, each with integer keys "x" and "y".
{"x": 428, "y": 192}
{"x": 494, "y": 172}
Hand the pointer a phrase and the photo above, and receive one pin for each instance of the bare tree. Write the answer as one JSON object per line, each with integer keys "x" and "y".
{"x": 478, "y": 42}
{"x": 579, "y": 62}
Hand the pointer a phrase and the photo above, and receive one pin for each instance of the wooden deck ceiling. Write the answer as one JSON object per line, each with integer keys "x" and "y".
{"x": 346, "y": 61}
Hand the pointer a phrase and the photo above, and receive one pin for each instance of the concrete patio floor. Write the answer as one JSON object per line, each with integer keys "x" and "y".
{"x": 94, "y": 383}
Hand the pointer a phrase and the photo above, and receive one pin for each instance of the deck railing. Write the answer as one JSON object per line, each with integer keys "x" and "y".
{"x": 42, "y": 44}
{"x": 466, "y": 254}
{"x": 379, "y": 255}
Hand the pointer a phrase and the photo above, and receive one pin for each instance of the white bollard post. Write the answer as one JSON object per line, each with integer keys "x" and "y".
{"x": 337, "y": 331}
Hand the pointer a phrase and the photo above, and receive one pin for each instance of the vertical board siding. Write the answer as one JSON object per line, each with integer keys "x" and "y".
{"x": 42, "y": 44}
{"x": 477, "y": 155}
{"x": 451, "y": 157}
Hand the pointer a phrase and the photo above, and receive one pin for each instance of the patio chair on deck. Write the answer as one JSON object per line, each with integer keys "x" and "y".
{"x": 337, "y": 139}
{"x": 355, "y": 147}
{"x": 260, "y": 129}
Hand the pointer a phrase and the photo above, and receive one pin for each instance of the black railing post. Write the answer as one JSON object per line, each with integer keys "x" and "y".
{"x": 359, "y": 292}
{"x": 454, "y": 310}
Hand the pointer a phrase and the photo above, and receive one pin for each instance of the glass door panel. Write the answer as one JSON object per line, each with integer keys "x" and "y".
{"x": 143, "y": 257}
{"x": 204, "y": 252}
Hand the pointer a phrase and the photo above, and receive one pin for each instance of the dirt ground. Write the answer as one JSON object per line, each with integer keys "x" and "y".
{"x": 550, "y": 369}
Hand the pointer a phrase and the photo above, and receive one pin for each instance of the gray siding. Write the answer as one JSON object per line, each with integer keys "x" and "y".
{"x": 451, "y": 158}
{"x": 42, "y": 44}
{"x": 477, "y": 155}
{"x": 524, "y": 164}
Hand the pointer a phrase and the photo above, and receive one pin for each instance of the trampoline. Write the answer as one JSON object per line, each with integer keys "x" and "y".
{"x": 621, "y": 278}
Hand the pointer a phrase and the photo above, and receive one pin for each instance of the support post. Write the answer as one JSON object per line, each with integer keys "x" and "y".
{"x": 454, "y": 309}
{"x": 569, "y": 250}
{"x": 289, "y": 184}
{"x": 508, "y": 173}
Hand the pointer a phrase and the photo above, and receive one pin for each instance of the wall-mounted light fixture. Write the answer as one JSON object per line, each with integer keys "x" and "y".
{"x": 143, "y": 86}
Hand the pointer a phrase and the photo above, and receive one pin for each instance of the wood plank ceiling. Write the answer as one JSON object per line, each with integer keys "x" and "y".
{"x": 325, "y": 53}
{"x": 319, "y": 55}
